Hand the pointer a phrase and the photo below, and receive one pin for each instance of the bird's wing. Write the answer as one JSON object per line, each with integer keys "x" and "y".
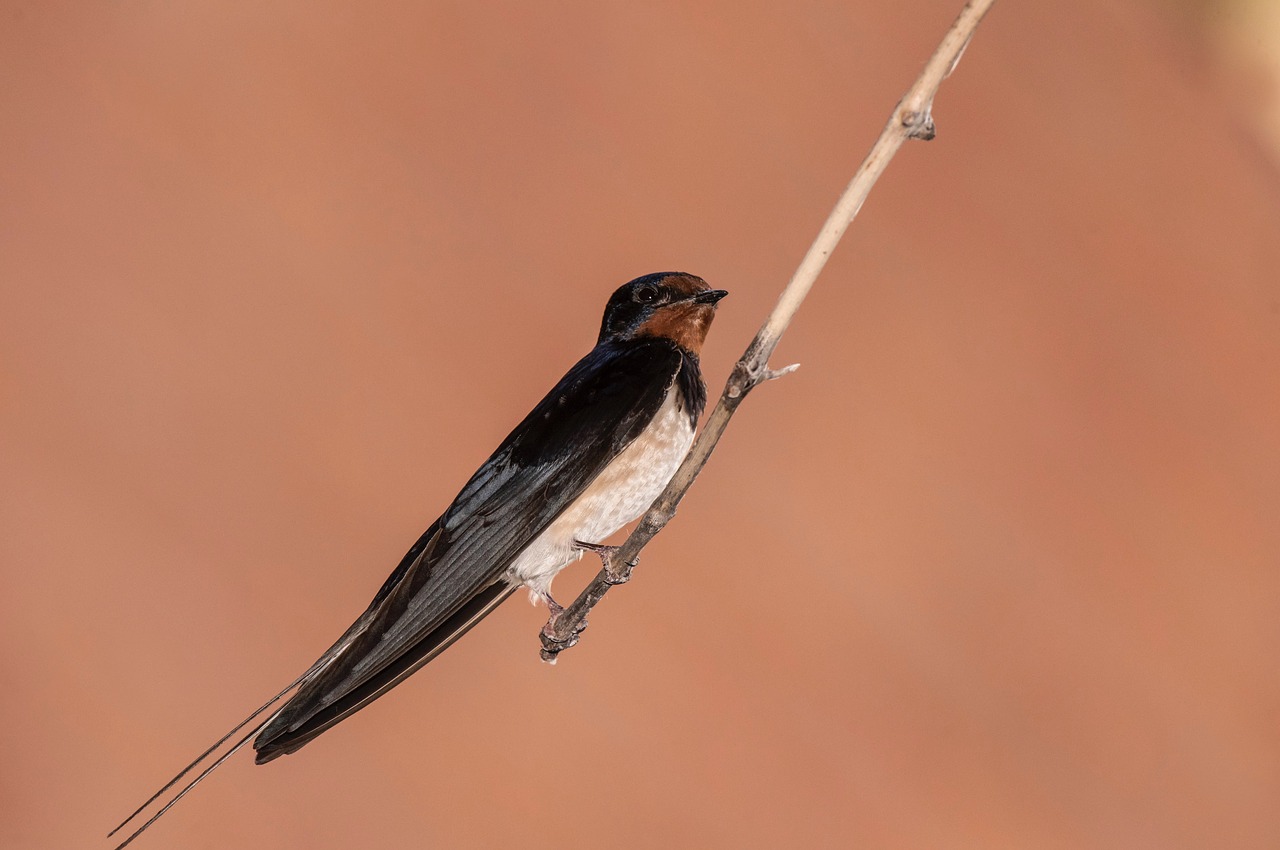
{"x": 601, "y": 405}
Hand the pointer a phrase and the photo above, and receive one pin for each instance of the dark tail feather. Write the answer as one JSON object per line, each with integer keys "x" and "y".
{"x": 272, "y": 744}
{"x": 200, "y": 759}
{"x": 193, "y": 783}
{"x": 292, "y": 736}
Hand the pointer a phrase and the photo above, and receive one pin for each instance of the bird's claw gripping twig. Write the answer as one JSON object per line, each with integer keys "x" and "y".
{"x": 617, "y": 574}
{"x": 552, "y": 642}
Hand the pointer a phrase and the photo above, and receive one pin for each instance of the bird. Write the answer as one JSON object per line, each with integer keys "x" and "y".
{"x": 589, "y": 458}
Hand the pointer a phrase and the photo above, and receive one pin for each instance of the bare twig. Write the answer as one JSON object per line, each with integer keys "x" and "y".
{"x": 912, "y": 118}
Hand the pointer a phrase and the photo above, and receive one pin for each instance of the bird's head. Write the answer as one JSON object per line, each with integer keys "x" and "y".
{"x": 673, "y": 305}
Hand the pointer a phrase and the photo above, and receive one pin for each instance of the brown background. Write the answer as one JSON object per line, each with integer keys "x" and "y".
{"x": 996, "y": 568}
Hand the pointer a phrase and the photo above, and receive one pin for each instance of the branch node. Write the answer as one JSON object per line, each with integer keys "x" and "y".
{"x": 743, "y": 377}
{"x": 918, "y": 123}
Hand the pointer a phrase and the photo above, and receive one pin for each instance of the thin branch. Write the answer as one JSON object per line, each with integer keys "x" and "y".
{"x": 912, "y": 118}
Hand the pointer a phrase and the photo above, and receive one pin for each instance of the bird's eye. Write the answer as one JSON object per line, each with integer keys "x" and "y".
{"x": 647, "y": 294}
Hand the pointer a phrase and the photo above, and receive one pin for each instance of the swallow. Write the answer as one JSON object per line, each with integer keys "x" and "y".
{"x": 587, "y": 460}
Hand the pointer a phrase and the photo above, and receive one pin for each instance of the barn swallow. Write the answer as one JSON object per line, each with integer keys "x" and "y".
{"x": 587, "y": 460}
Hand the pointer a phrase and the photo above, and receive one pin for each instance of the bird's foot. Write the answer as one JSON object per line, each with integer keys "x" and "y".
{"x": 618, "y": 574}
{"x": 552, "y": 642}
{"x": 555, "y": 608}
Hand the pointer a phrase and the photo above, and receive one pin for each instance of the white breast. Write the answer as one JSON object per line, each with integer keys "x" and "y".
{"x": 620, "y": 493}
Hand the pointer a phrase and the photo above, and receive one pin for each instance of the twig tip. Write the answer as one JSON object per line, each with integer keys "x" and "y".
{"x": 775, "y": 374}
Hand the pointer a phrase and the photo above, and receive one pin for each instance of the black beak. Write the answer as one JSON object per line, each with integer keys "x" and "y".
{"x": 711, "y": 296}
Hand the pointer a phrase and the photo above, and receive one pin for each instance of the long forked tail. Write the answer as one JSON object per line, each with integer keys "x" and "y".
{"x": 316, "y": 719}
{"x": 305, "y": 717}
{"x": 199, "y": 759}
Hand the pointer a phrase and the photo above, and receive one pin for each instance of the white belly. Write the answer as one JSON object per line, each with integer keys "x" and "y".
{"x": 620, "y": 493}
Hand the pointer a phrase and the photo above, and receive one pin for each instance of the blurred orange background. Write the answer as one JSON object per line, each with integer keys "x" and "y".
{"x": 996, "y": 568}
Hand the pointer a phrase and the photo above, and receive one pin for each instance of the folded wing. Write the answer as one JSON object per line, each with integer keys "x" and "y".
{"x": 452, "y": 576}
